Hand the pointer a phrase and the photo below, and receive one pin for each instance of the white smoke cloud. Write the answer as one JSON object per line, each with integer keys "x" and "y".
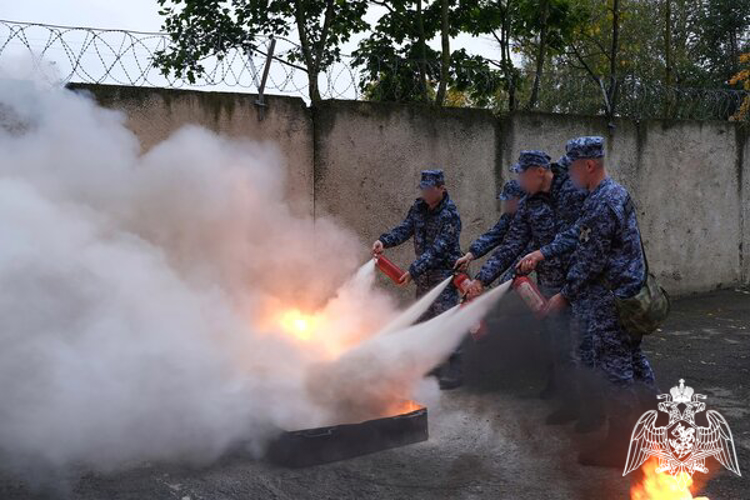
{"x": 130, "y": 284}
{"x": 141, "y": 294}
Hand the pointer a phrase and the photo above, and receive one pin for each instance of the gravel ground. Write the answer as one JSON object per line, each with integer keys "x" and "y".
{"x": 487, "y": 439}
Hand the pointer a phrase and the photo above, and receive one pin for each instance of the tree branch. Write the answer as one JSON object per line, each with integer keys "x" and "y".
{"x": 584, "y": 64}
{"x": 328, "y": 17}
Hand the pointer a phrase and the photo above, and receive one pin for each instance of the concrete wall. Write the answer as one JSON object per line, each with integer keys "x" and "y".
{"x": 154, "y": 114}
{"x": 368, "y": 157}
{"x": 688, "y": 184}
{"x": 743, "y": 172}
{"x": 358, "y": 162}
{"x": 683, "y": 177}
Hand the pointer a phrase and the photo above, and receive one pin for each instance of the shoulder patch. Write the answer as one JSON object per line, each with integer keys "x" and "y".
{"x": 585, "y": 234}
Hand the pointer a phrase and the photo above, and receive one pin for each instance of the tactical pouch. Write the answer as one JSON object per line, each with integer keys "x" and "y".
{"x": 644, "y": 312}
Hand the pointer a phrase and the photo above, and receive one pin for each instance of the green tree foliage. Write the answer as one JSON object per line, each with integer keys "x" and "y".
{"x": 202, "y": 28}
{"x": 573, "y": 56}
{"x": 400, "y": 65}
{"x": 663, "y": 46}
{"x": 743, "y": 78}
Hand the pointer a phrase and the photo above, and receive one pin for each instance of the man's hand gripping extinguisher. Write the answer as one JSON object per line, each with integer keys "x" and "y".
{"x": 462, "y": 281}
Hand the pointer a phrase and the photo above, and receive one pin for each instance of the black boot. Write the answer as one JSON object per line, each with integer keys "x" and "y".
{"x": 592, "y": 404}
{"x": 550, "y": 389}
{"x": 451, "y": 374}
{"x": 589, "y": 422}
{"x": 613, "y": 450}
{"x": 570, "y": 407}
{"x": 592, "y": 413}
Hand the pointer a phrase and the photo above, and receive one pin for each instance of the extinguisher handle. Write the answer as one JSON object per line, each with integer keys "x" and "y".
{"x": 517, "y": 273}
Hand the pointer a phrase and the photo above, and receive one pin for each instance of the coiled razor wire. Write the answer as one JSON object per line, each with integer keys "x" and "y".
{"x": 65, "y": 54}
{"x": 119, "y": 57}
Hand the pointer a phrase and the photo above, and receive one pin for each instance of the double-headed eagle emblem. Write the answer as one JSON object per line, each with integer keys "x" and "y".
{"x": 681, "y": 445}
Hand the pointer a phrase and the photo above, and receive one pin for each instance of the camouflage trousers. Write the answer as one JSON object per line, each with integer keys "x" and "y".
{"x": 603, "y": 344}
{"x": 558, "y": 336}
{"x": 447, "y": 299}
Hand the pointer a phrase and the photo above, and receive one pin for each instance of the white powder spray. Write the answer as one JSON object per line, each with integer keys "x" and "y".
{"x": 141, "y": 291}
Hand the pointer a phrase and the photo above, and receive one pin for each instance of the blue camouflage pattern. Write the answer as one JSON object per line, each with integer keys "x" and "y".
{"x": 511, "y": 189}
{"x": 603, "y": 345}
{"x": 559, "y": 336}
{"x": 606, "y": 241}
{"x": 431, "y": 178}
{"x": 564, "y": 162}
{"x": 531, "y": 158}
{"x": 491, "y": 238}
{"x": 585, "y": 147}
{"x": 436, "y": 247}
{"x": 538, "y": 219}
{"x": 607, "y": 261}
{"x": 447, "y": 299}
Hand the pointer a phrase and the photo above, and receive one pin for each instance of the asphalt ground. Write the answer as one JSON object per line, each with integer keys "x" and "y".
{"x": 487, "y": 439}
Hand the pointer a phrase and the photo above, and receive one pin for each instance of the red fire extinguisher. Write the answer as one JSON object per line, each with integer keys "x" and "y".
{"x": 531, "y": 295}
{"x": 389, "y": 268}
{"x": 462, "y": 281}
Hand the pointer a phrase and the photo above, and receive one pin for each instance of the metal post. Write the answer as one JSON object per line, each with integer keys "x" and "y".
{"x": 260, "y": 102}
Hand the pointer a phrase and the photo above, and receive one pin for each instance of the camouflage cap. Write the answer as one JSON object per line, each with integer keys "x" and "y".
{"x": 585, "y": 147}
{"x": 531, "y": 158}
{"x": 511, "y": 189}
{"x": 564, "y": 161}
{"x": 431, "y": 178}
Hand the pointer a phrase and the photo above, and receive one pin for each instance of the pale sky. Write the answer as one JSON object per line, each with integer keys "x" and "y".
{"x": 142, "y": 15}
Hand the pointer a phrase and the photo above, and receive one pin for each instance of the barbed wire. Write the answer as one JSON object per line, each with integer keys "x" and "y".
{"x": 642, "y": 100}
{"x": 111, "y": 56}
{"x": 65, "y": 54}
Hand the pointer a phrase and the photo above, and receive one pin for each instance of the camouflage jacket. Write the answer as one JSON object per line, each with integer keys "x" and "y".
{"x": 538, "y": 219}
{"x": 606, "y": 242}
{"x": 491, "y": 238}
{"x": 436, "y": 239}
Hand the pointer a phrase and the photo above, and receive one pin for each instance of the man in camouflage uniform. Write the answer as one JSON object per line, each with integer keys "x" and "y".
{"x": 435, "y": 224}
{"x": 511, "y": 195}
{"x": 552, "y": 205}
{"x": 607, "y": 262}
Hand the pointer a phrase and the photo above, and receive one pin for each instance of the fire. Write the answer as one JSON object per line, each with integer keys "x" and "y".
{"x": 661, "y": 486}
{"x": 299, "y": 324}
{"x": 324, "y": 333}
{"x": 402, "y": 407}
{"x": 316, "y": 332}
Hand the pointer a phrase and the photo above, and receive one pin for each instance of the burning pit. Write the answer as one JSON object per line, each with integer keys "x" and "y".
{"x": 364, "y": 387}
{"x": 178, "y": 281}
{"x": 303, "y": 448}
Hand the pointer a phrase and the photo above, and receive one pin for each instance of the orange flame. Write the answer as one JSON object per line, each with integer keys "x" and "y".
{"x": 660, "y": 485}
{"x": 319, "y": 333}
{"x": 299, "y": 324}
{"x": 402, "y": 407}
